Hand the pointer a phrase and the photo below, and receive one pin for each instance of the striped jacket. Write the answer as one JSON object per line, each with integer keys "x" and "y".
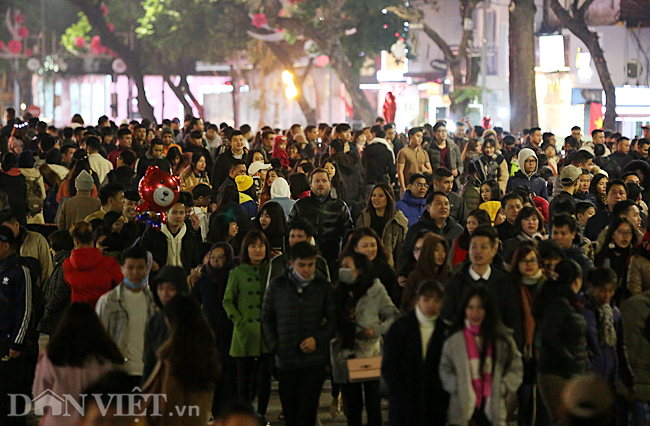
{"x": 15, "y": 302}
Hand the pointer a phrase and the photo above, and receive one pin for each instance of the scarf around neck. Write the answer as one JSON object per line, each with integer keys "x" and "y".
{"x": 606, "y": 330}
{"x": 481, "y": 371}
{"x": 174, "y": 245}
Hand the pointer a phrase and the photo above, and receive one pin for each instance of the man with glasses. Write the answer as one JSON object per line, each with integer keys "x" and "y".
{"x": 443, "y": 152}
{"x": 413, "y": 202}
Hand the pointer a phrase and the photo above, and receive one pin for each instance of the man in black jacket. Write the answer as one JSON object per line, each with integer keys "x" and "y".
{"x": 483, "y": 247}
{"x": 329, "y": 216}
{"x": 412, "y": 351}
{"x": 436, "y": 219}
{"x": 298, "y": 322}
{"x": 153, "y": 157}
{"x": 378, "y": 161}
{"x": 616, "y": 191}
{"x": 15, "y": 316}
{"x": 237, "y": 151}
{"x": 175, "y": 244}
{"x": 512, "y": 205}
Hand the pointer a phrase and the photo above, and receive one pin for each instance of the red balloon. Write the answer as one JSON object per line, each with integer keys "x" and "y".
{"x": 2, "y": 45}
{"x": 23, "y": 32}
{"x": 29, "y": 52}
{"x": 15, "y": 46}
{"x": 159, "y": 191}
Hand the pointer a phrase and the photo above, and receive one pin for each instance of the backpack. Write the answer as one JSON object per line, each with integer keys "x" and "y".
{"x": 34, "y": 197}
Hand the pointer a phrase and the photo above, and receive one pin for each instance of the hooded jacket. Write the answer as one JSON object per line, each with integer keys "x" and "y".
{"x": 534, "y": 181}
{"x": 379, "y": 162}
{"x": 90, "y": 274}
{"x": 156, "y": 331}
{"x": 411, "y": 207}
{"x": 281, "y": 194}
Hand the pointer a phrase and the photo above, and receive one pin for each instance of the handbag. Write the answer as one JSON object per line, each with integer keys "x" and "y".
{"x": 364, "y": 369}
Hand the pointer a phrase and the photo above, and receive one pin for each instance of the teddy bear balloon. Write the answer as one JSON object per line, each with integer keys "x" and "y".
{"x": 159, "y": 191}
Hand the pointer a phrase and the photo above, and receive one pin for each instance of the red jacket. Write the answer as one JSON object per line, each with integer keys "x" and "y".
{"x": 90, "y": 274}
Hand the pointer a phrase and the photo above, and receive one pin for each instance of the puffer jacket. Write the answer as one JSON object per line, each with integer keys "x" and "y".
{"x": 608, "y": 362}
{"x": 243, "y": 304}
{"x": 393, "y": 235}
{"x": 90, "y": 274}
{"x": 331, "y": 221}
{"x": 507, "y": 375}
{"x": 563, "y": 332}
{"x": 535, "y": 182}
{"x": 471, "y": 193}
{"x": 373, "y": 310}
{"x": 453, "y": 153}
{"x": 636, "y": 312}
{"x": 638, "y": 275}
{"x": 292, "y": 313}
{"x": 57, "y": 295}
{"x": 411, "y": 207}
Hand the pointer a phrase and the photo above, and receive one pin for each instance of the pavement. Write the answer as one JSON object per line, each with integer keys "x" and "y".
{"x": 275, "y": 408}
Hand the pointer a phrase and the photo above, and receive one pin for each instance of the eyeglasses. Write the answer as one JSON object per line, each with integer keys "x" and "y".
{"x": 420, "y": 185}
{"x": 624, "y": 233}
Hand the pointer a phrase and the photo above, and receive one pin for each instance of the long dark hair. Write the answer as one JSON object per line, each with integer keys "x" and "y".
{"x": 495, "y": 190}
{"x": 196, "y": 157}
{"x": 348, "y": 295}
{"x": 357, "y": 235}
{"x": 482, "y": 217}
{"x": 593, "y": 186}
{"x": 80, "y": 337}
{"x": 277, "y": 228}
{"x": 566, "y": 272}
{"x": 190, "y": 348}
{"x": 220, "y": 228}
{"x": 613, "y": 227}
{"x": 390, "y": 200}
{"x": 407, "y": 261}
{"x": 491, "y": 321}
{"x": 337, "y": 180}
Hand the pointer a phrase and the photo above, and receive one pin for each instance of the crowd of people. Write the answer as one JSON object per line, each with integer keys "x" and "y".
{"x": 470, "y": 277}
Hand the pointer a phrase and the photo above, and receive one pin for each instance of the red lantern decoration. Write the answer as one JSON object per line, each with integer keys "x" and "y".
{"x": 259, "y": 20}
{"x": 29, "y": 52}
{"x": 113, "y": 54}
{"x": 104, "y": 9}
{"x": 19, "y": 19}
{"x": 2, "y": 45}
{"x": 15, "y": 46}
{"x": 95, "y": 41}
{"x": 322, "y": 60}
{"x": 110, "y": 26}
{"x": 23, "y": 32}
{"x": 79, "y": 42}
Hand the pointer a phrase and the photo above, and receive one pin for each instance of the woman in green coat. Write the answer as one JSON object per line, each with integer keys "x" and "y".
{"x": 243, "y": 304}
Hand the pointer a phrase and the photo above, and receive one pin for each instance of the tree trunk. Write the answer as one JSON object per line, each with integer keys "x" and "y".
{"x": 132, "y": 59}
{"x": 523, "y": 98}
{"x": 185, "y": 87}
{"x": 283, "y": 56}
{"x": 179, "y": 94}
{"x": 144, "y": 107}
{"x": 598, "y": 56}
{"x": 578, "y": 26}
{"x": 234, "y": 80}
{"x": 341, "y": 65}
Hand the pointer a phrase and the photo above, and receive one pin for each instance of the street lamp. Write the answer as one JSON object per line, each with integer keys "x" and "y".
{"x": 291, "y": 91}
{"x": 287, "y": 77}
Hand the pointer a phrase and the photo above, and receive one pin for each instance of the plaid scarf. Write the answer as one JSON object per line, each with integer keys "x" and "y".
{"x": 481, "y": 371}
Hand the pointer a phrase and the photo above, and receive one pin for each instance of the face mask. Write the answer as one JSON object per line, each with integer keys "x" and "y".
{"x": 136, "y": 286}
{"x": 346, "y": 276}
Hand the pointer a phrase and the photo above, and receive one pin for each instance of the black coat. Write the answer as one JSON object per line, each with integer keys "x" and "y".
{"x": 290, "y": 315}
{"x": 331, "y": 221}
{"x": 597, "y": 223}
{"x": 378, "y": 164}
{"x": 125, "y": 176}
{"x": 221, "y": 169}
{"x": 155, "y": 241}
{"x": 500, "y": 287}
{"x": 415, "y": 393}
{"x": 16, "y": 189}
{"x": 449, "y": 232}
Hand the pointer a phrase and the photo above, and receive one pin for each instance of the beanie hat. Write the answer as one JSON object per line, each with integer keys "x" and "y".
{"x": 243, "y": 182}
{"x": 84, "y": 182}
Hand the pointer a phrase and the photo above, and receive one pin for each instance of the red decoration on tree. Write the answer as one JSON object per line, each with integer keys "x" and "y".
{"x": 487, "y": 122}
{"x": 259, "y": 20}
{"x": 2, "y": 45}
{"x": 104, "y": 9}
{"x": 113, "y": 54}
{"x": 23, "y": 32}
{"x": 15, "y": 46}
{"x": 19, "y": 18}
{"x": 390, "y": 107}
{"x": 29, "y": 52}
{"x": 322, "y": 60}
{"x": 79, "y": 42}
{"x": 110, "y": 26}
{"x": 95, "y": 41}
